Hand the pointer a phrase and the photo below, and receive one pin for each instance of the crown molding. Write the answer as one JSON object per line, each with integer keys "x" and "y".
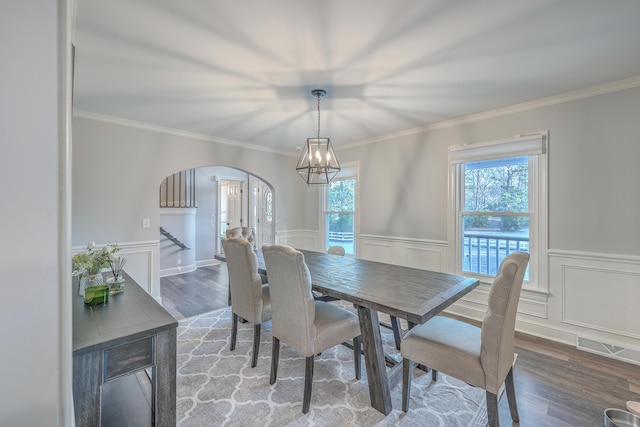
{"x": 499, "y": 112}
{"x": 176, "y": 132}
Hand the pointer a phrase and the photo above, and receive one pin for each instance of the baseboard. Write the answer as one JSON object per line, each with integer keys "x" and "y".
{"x": 207, "y": 263}
{"x": 178, "y": 270}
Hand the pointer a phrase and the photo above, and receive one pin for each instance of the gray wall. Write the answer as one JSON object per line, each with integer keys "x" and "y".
{"x": 118, "y": 170}
{"x": 35, "y": 357}
{"x": 207, "y": 213}
{"x": 594, "y": 173}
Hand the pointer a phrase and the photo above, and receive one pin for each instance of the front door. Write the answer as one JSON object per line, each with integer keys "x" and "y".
{"x": 230, "y": 205}
{"x": 266, "y": 215}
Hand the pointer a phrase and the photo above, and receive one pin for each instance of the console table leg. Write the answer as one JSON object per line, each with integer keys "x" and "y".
{"x": 86, "y": 388}
{"x": 165, "y": 379}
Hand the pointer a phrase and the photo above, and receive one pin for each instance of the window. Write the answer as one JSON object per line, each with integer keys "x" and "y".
{"x": 340, "y": 211}
{"x": 499, "y": 200}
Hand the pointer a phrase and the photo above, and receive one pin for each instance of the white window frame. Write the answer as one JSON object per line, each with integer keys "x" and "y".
{"x": 535, "y": 146}
{"x": 347, "y": 171}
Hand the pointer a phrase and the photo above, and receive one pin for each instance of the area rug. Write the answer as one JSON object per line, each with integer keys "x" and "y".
{"x": 217, "y": 387}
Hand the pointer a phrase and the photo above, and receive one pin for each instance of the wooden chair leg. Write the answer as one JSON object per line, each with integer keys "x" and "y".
{"x": 397, "y": 335}
{"x": 434, "y": 375}
{"x": 492, "y": 409}
{"x": 308, "y": 381}
{"x": 275, "y": 356}
{"x": 256, "y": 344}
{"x": 511, "y": 396}
{"x": 234, "y": 331}
{"x": 407, "y": 374}
{"x": 357, "y": 344}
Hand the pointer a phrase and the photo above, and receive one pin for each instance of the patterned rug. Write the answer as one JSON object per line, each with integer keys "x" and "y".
{"x": 217, "y": 387}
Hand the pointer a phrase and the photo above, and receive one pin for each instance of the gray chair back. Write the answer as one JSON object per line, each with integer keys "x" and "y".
{"x": 498, "y": 326}
{"x": 336, "y": 250}
{"x": 245, "y": 282}
{"x": 245, "y": 233}
{"x": 292, "y": 304}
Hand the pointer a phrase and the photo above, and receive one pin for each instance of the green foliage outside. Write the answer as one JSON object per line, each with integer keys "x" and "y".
{"x": 341, "y": 199}
{"x": 497, "y": 186}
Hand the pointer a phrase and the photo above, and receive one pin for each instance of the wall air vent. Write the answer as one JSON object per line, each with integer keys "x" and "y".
{"x": 609, "y": 350}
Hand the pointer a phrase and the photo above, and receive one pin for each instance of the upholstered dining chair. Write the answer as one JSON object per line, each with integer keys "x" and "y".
{"x": 336, "y": 250}
{"x": 250, "y": 298}
{"x": 245, "y": 233}
{"x": 306, "y": 325}
{"x": 480, "y": 356}
{"x": 333, "y": 250}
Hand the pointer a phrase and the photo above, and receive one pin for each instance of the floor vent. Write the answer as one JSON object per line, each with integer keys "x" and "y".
{"x": 609, "y": 350}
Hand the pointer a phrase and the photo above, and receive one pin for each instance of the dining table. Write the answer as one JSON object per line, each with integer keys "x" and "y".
{"x": 412, "y": 294}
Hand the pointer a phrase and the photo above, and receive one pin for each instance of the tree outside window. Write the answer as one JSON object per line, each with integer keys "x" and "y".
{"x": 495, "y": 218}
{"x": 339, "y": 214}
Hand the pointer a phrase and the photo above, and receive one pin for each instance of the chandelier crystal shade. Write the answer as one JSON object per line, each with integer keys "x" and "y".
{"x": 318, "y": 163}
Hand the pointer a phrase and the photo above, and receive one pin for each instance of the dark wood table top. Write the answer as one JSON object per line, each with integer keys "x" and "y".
{"x": 127, "y": 316}
{"x": 409, "y": 293}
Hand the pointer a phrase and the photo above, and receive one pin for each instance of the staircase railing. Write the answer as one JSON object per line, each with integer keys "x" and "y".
{"x": 173, "y": 238}
{"x": 179, "y": 190}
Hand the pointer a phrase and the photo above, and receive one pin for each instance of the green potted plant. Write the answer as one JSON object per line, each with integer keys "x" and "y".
{"x": 88, "y": 265}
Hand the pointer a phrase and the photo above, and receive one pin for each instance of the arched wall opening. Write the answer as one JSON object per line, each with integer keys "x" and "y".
{"x": 225, "y": 197}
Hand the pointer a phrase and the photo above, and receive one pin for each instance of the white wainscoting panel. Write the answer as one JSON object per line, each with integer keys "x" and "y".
{"x": 140, "y": 265}
{"x": 597, "y": 297}
{"x": 415, "y": 253}
{"x": 601, "y": 297}
{"x": 425, "y": 258}
{"x": 376, "y": 251}
{"x": 301, "y": 239}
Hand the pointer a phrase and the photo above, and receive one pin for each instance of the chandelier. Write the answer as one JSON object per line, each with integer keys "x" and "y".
{"x": 318, "y": 163}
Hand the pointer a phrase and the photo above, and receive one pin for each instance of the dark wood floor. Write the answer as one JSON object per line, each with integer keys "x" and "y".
{"x": 189, "y": 294}
{"x": 556, "y": 384}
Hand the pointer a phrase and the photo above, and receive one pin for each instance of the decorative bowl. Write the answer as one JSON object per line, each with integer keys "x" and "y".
{"x": 633, "y": 407}
{"x": 620, "y": 418}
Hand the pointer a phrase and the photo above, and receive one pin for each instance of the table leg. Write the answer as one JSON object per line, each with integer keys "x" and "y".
{"x": 379, "y": 391}
{"x": 164, "y": 402}
{"x": 87, "y": 372}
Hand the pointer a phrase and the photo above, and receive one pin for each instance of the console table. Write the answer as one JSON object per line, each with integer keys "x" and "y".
{"x": 130, "y": 333}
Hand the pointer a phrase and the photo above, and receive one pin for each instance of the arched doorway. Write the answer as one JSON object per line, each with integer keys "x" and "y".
{"x": 224, "y": 197}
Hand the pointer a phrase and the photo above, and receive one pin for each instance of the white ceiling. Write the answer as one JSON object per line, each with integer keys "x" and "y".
{"x": 243, "y": 70}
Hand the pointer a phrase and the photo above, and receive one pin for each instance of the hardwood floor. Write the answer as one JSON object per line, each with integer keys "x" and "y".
{"x": 189, "y": 294}
{"x": 556, "y": 384}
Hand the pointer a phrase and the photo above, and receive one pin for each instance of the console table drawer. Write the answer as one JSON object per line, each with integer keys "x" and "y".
{"x": 128, "y": 357}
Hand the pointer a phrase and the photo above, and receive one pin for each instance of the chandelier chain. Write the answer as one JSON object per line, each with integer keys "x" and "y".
{"x": 318, "y": 116}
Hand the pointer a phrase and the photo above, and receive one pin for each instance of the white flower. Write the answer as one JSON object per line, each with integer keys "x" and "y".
{"x": 90, "y": 245}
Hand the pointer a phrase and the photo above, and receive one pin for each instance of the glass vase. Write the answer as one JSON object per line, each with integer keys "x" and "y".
{"x": 116, "y": 284}
{"x": 89, "y": 280}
